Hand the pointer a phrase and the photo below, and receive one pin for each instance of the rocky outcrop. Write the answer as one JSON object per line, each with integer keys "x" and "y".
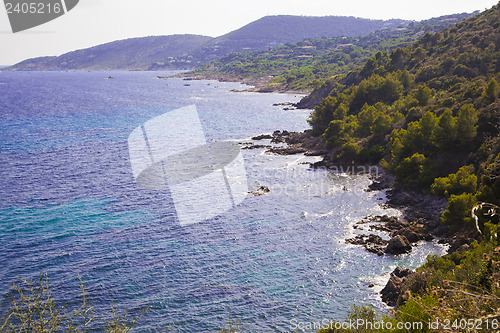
{"x": 260, "y": 191}
{"x": 398, "y": 245}
{"x": 392, "y": 290}
{"x": 263, "y": 137}
{"x": 372, "y": 243}
{"x": 419, "y": 206}
{"x": 256, "y": 147}
{"x": 460, "y": 242}
{"x": 292, "y": 143}
{"x": 402, "y": 235}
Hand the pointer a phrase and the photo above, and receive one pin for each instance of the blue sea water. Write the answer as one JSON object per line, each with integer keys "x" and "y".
{"x": 69, "y": 207}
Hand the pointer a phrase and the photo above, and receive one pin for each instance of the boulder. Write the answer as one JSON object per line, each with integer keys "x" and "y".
{"x": 392, "y": 290}
{"x": 397, "y": 245}
{"x": 411, "y": 235}
{"x": 262, "y": 137}
{"x": 401, "y": 272}
{"x": 372, "y": 243}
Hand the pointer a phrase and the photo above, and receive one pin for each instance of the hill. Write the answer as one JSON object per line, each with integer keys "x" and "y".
{"x": 191, "y": 51}
{"x": 133, "y": 54}
{"x": 303, "y": 65}
{"x": 272, "y": 31}
{"x": 429, "y": 113}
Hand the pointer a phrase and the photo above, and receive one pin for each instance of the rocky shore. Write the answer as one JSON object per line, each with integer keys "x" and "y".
{"x": 421, "y": 211}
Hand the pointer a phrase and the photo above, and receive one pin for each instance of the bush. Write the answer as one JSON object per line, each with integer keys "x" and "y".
{"x": 415, "y": 170}
{"x": 372, "y": 155}
{"x": 458, "y": 214}
{"x": 350, "y": 151}
{"x": 423, "y": 94}
{"x": 34, "y": 309}
{"x": 463, "y": 181}
{"x": 467, "y": 124}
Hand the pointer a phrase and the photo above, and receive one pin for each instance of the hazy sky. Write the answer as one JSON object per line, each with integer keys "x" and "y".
{"x": 94, "y": 22}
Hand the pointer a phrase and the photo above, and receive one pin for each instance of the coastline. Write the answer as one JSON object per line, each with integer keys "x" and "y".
{"x": 420, "y": 211}
{"x": 260, "y": 85}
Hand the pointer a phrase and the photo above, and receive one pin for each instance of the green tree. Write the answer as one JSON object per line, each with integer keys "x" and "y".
{"x": 423, "y": 94}
{"x": 467, "y": 124}
{"x": 331, "y": 108}
{"x": 376, "y": 89}
{"x": 415, "y": 170}
{"x": 445, "y": 134}
{"x": 458, "y": 213}
{"x": 366, "y": 118}
{"x": 463, "y": 181}
{"x": 350, "y": 151}
{"x": 397, "y": 149}
{"x": 381, "y": 125}
{"x": 337, "y": 133}
{"x": 427, "y": 125}
{"x": 491, "y": 92}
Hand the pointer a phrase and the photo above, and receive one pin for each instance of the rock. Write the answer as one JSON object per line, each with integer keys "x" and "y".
{"x": 463, "y": 248}
{"x": 392, "y": 290}
{"x": 316, "y": 153}
{"x": 411, "y": 235}
{"x": 262, "y": 137}
{"x": 260, "y": 191}
{"x": 256, "y": 147}
{"x": 401, "y": 272}
{"x": 372, "y": 243}
{"x": 460, "y": 243}
{"x": 290, "y": 150}
{"x": 398, "y": 245}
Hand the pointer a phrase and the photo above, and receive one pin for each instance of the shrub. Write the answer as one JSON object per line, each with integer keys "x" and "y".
{"x": 415, "y": 170}
{"x": 350, "y": 151}
{"x": 458, "y": 214}
{"x": 423, "y": 94}
{"x": 34, "y": 309}
{"x": 463, "y": 181}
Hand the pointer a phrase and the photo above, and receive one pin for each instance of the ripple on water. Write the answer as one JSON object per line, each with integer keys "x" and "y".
{"x": 70, "y": 207}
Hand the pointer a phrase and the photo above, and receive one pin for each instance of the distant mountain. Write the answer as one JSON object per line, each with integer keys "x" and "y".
{"x": 272, "y": 31}
{"x": 133, "y": 54}
{"x": 309, "y": 63}
{"x": 191, "y": 51}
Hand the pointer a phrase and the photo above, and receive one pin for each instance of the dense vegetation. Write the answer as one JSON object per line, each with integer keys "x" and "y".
{"x": 430, "y": 113}
{"x": 307, "y": 64}
{"x": 272, "y": 31}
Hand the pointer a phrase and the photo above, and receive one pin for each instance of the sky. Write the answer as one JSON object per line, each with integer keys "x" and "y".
{"x": 94, "y": 22}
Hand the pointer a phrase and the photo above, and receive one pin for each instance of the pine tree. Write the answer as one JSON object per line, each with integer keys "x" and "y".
{"x": 467, "y": 124}
{"x": 491, "y": 92}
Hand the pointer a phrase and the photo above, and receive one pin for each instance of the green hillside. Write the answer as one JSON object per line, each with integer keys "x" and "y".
{"x": 273, "y": 31}
{"x": 306, "y": 64}
{"x": 430, "y": 114}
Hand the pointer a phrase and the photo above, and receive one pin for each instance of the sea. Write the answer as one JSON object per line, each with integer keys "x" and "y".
{"x": 70, "y": 209}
